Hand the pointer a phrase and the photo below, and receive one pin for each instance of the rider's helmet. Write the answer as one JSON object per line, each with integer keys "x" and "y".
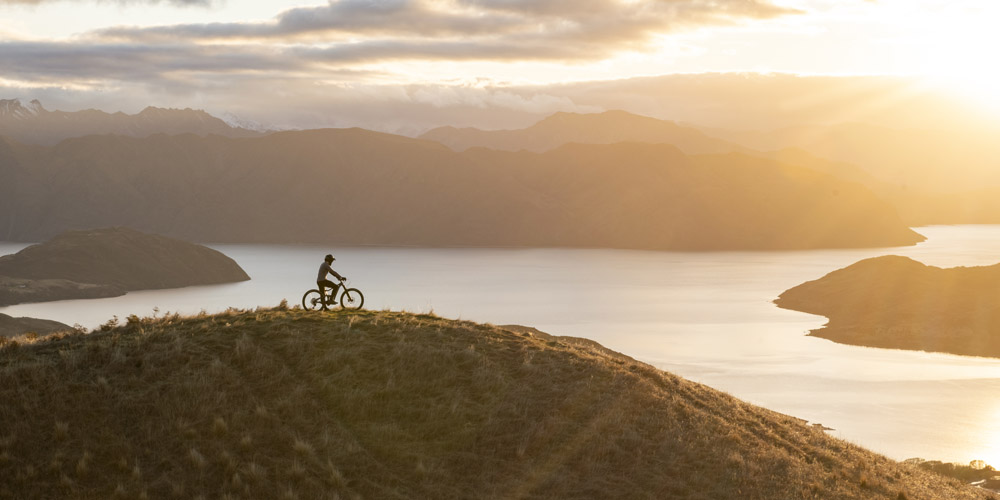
{"x": 329, "y": 258}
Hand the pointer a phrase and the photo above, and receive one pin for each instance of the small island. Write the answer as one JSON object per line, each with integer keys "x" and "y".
{"x": 896, "y": 302}
{"x": 107, "y": 263}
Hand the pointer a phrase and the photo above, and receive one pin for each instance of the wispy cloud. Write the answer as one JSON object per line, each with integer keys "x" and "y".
{"x": 131, "y": 62}
{"x": 408, "y": 29}
{"x": 344, "y": 34}
{"x": 339, "y": 51}
{"x": 181, "y": 3}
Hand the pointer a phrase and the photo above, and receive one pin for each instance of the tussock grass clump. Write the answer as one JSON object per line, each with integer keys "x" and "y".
{"x": 289, "y": 404}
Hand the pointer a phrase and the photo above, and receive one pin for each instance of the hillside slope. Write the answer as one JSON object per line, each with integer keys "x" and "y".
{"x": 356, "y": 187}
{"x": 896, "y": 302}
{"x": 289, "y": 404}
{"x": 12, "y": 327}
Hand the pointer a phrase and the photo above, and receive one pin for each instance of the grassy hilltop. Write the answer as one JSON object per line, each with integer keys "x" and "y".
{"x": 288, "y": 404}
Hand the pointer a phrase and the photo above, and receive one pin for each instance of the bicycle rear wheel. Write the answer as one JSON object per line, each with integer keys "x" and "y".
{"x": 352, "y": 299}
{"x": 312, "y": 301}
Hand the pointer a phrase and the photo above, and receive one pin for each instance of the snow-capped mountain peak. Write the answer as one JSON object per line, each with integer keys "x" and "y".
{"x": 19, "y": 108}
{"x": 235, "y": 121}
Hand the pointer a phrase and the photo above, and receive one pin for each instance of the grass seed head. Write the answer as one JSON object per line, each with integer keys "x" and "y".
{"x": 303, "y": 448}
{"x": 219, "y": 426}
{"x": 197, "y": 459}
{"x": 61, "y": 431}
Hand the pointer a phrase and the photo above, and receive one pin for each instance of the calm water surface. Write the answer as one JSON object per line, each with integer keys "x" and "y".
{"x": 705, "y": 316}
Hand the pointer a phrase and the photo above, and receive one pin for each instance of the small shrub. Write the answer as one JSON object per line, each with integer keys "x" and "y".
{"x": 109, "y": 325}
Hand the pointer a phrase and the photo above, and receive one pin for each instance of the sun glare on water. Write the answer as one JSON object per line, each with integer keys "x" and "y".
{"x": 991, "y": 444}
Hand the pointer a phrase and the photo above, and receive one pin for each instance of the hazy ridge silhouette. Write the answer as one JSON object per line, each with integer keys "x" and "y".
{"x": 593, "y": 128}
{"x": 930, "y": 176}
{"x": 352, "y": 186}
{"x": 31, "y": 123}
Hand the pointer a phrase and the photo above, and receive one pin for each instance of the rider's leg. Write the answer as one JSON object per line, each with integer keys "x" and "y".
{"x": 333, "y": 291}
{"x": 322, "y": 292}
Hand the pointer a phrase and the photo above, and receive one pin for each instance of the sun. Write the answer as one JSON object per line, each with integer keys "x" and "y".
{"x": 957, "y": 53}
{"x": 970, "y": 78}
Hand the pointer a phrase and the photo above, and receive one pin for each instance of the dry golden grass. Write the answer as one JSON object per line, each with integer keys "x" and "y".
{"x": 289, "y": 404}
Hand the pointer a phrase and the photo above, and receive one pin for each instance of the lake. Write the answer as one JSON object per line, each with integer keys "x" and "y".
{"x": 705, "y": 316}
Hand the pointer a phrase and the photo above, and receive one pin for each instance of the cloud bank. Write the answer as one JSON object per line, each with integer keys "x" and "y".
{"x": 346, "y": 55}
{"x": 179, "y": 3}
{"x": 347, "y": 33}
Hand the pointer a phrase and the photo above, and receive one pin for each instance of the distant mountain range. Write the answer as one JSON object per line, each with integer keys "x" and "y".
{"x": 931, "y": 177}
{"x": 31, "y": 123}
{"x": 943, "y": 161}
{"x": 594, "y": 128}
{"x": 356, "y": 187}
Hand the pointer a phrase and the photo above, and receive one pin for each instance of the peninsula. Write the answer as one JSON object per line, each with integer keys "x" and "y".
{"x": 899, "y": 303}
{"x": 107, "y": 263}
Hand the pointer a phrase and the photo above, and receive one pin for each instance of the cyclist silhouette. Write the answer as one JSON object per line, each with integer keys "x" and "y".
{"x": 322, "y": 282}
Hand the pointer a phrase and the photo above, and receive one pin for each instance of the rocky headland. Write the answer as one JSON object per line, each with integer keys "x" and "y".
{"x": 109, "y": 262}
{"x": 897, "y": 302}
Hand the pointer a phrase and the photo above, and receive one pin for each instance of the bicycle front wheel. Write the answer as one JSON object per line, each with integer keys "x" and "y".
{"x": 312, "y": 301}
{"x": 352, "y": 299}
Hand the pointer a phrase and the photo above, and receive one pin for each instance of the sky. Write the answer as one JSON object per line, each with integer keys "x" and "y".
{"x": 411, "y": 64}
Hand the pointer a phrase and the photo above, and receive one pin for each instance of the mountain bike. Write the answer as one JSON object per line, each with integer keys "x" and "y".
{"x": 350, "y": 298}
